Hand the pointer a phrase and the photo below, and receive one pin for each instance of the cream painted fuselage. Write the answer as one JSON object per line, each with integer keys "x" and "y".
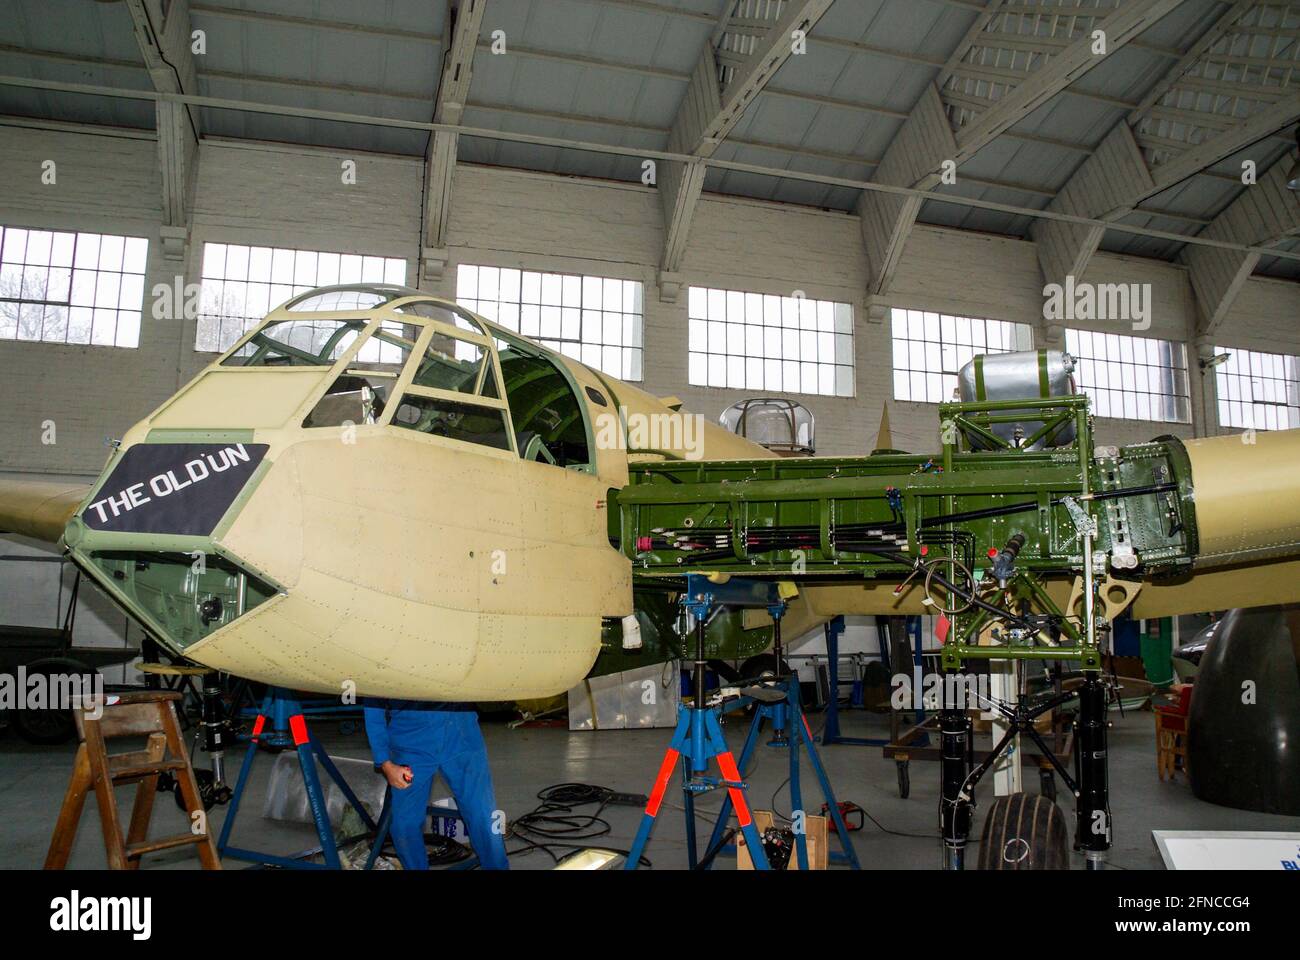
{"x": 389, "y": 557}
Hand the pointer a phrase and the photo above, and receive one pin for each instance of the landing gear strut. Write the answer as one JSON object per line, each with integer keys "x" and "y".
{"x": 1092, "y": 824}
{"x": 955, "y": 805}
{"x": 1088, "y": 784}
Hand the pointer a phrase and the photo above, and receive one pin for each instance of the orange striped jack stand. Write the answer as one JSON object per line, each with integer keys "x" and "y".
{"x": 288, "y": 728}
{"x": 696, "y": 741}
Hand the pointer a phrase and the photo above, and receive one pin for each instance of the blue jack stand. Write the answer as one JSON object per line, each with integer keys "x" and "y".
{"x": 789, "y": 730}
{"x": 831, "y": 730}
{"x": 698, "y": 738}
{"x": 289, "y": 728}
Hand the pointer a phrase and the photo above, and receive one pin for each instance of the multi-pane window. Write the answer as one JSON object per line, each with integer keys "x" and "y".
{"x": 1131, "y": 378}
{"x": 241, "y": 285}
{"x": 71, "y": 287}
{"x": 931, "y": 348}
{"x": 1258, "y": 391}
{"x": 598, "y": 321}
{"x": 754, "y": 341}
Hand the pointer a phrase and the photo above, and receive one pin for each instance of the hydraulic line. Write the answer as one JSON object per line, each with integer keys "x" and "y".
{"x": 1011, "y": 508}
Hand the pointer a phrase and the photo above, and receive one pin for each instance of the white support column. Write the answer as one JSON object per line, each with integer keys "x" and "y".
{"x": 464, "y": 21}
{"x": 165, "y": 47}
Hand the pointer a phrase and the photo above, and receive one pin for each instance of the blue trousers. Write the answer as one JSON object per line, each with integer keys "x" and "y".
{"x": 450, "y": 743}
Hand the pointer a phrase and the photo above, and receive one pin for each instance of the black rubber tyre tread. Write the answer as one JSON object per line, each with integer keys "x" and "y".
{"x": 1023, "y": 832}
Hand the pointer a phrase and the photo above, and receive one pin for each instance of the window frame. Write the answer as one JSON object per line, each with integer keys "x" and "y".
{"x": 1016, "y": 332}
{"x": 751, "y": 299}
{"x": 73, "y": 269}
{"x": 1288, "y": 410}
{"x": 296, "y": 290}
{"x": 1179, "y": 348}
{"x": 561, "y": 341}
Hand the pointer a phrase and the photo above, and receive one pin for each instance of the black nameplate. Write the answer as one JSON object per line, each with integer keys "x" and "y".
{"x": 176, "y": 488}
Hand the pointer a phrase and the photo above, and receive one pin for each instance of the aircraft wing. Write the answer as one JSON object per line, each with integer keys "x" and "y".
{"x": 1260, "y": 584}
{"x": 38, "y": 508}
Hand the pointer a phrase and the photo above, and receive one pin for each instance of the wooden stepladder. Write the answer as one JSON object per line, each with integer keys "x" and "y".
{"x": 151, "y": 715}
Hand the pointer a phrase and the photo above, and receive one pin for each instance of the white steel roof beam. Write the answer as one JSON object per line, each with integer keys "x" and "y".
{"x": 852, "y": 183}
{"x": 465, "y": 20}
{"x": 165, "y": 48}
{"x": 1118, "y": 177}
{"x": 709, "y": 112}
{"x": 926, "y": 141}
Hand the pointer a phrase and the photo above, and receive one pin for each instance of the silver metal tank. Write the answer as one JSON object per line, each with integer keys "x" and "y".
{"x": 1032, "y": 374}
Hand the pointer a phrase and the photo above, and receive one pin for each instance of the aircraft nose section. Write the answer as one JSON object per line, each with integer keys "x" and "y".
{"x": 149, "y": 534}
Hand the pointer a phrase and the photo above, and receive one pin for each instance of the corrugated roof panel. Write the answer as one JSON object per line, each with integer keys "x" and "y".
{"x": 76, "y": 107}
{"x": 561, "y": 25}
{"x": 605, "y": 31}
{"x": 641, "y": 101}
{"x": 973, "y": 218}
{"x": 1074, "y": 119}
{"x": 97, "y": 31}
{"x": 1127, "y": 74}
{"x": 1195, "y": 197}
{"x": 1180, "y": 27}
{"x": 69, "y": 31}
{"x": 778, "y": 120}
{"x": 1282, "y": 269}
{"x": 322, "y": 133}
{"x": 1016, "y": 161}
{"x": 919, "y": 27}
{"x": 786, "y": 190}
{"x": 1138, "y": 246}
{"x": 828, "y": 129}
{"x": 414, "y": 15}
{"x": 1209, "y": 195}
{"x": 573, "y": 162}
{"x": 849, "y": 21}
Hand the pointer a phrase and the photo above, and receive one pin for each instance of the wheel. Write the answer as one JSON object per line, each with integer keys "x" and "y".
{"x": 49, "y": 727}
{"x": 763, "y": 665}
{"x": 1024, "y": 833}
{"x": 207, "y": 792}
{"x": 758, "y": 667}
{"x": 904, "y": 779}
{"x": 45, "y": 727}
{"x": 1047, "y": 783}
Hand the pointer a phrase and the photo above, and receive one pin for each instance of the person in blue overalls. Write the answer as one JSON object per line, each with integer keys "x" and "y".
{"x": 412, "y": 742}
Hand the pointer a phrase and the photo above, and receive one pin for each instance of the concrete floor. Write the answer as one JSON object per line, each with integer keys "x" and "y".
{"x": 32, "y": 780}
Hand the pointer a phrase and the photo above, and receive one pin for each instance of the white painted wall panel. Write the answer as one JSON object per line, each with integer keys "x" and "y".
{"x": 274, "y": 194}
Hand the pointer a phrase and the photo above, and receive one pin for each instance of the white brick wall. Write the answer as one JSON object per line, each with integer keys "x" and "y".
{"x": 289, "y": 196}
{"x": 108, "y": 185}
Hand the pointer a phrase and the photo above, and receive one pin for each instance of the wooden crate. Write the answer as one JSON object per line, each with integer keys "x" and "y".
{"x": 818, "y": 849}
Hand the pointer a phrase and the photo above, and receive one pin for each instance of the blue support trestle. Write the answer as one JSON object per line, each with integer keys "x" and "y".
{"x": 288, "y": 728}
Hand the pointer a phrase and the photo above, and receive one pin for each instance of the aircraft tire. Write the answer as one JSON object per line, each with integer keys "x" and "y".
{"x": 1023, "y": 832}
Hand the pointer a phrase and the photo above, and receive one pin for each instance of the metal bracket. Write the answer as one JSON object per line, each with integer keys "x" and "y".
{"x": 1084, "y": 524}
